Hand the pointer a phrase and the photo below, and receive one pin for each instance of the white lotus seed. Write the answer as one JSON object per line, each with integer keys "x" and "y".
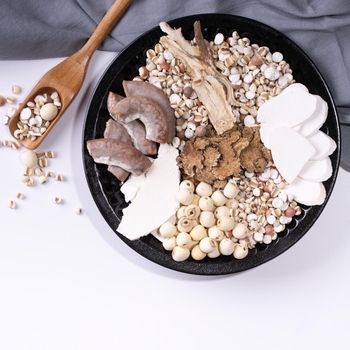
{"x": 185, "y": 224}
{"x": 214, "y": 254}
{"x": 232, "y": 204}
{"x": 181, "y": 212}
{"x": 204, "y": 189}
{"x": 169, "y": 243}
{"x": 182, "y": 239}
{"x": 230, "y": 190}
{"x": 226, "y": 223}
{"x": 180, "y": 253}
{"x": 184, "y": 196}
{"x": 29, "y": 159}
{"x": 195, "y": 199}
{"x": 207, "y": 219}
{"x": 192, "y": 211}
{"x": 188, "y": 185}
{"x": 48, "y": 111}
{"x": 197, "y": 254}
{"x": 222, "y": 211}
{"x": 198, "y": 232}
{"x": 218, "y": 198}
{"x": 168, "y": 230}
{"x": 239, "y": 231}
{"x": 240, "y": 251}
{"x": 215, "y": 233}
{"x": 226, "y": 246}
{"x": 206, "y": 203}
{"x": 207, "y": 245}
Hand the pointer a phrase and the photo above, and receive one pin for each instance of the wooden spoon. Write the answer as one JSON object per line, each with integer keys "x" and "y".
{"x": 67, "y": 77}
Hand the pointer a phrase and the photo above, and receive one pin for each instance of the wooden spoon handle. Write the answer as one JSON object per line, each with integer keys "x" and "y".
{"x": 105, "y": 26}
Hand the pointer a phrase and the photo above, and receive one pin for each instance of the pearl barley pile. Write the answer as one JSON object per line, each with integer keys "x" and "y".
{"x": 255, "y": 74}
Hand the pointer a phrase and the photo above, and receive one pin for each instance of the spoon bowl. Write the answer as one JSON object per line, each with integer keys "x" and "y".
{"x": 66, "y": 79}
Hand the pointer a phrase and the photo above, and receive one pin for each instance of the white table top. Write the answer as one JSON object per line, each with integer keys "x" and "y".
{"x": 68, "y": 282}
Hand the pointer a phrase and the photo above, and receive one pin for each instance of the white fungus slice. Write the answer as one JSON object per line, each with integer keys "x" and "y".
{"x": 317, "y": 170}
{"x": 291, "y": 108}
{"x": 290, "y": 152}
{"x": 155, "y": 200}
{"x": 324, "y": 145}
{"x": 317, "y": 119}
{"x": 307, "y": 192}
{"x": 296, "y": 86}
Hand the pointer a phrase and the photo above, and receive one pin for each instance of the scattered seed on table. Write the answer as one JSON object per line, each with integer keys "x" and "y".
{"x": 59, "y": 177}
{"x": 16, "y": 89}
{"x": 42, "y": 179}
{"x": 12, "y": 204}
{"x": 43, "y": 162}
{"x": 20, "y": 195}
{"x": 38, "y": 172}
{"x": 78, "y": 211}
{"x": 11, "y": 100}
{"x": 57, "y": 200}
{"x": 50, "y": 154}
{"x": 30, "y": 182}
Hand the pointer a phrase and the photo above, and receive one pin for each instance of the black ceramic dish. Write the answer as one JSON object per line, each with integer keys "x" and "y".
{"x": 105, "y": 188}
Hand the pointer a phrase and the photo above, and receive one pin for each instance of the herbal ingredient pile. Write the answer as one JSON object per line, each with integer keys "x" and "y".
{"x": 216, "y": 145}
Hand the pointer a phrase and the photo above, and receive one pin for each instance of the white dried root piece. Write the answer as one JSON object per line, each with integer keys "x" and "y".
{"x": 212, "y": 89}
{"x": 176, "y": 36}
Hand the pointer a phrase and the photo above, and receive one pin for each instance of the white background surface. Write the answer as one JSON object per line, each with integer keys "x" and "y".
{"x": 67, "y": 281}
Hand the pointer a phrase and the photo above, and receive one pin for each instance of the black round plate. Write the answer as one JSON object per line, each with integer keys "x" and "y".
{"x": 105, "y": 188}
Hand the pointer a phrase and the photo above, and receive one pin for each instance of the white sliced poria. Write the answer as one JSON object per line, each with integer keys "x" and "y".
{"x": 311, "y": 125}
{"x": 290, "y": 152}
{"x": 307, "y": 192}
{"x": 132, "y": 186}
{"x": 317, "y": 170}
{"x": 155, "y": 200}
{"x": 290, "y": 108}
{"x": 265, "y": 132}
{"x": 289, "y": 127}
{"x": 323, "y": 144}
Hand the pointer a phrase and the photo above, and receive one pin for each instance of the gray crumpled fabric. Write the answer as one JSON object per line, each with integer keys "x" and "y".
{"x": 32, "y": 29}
